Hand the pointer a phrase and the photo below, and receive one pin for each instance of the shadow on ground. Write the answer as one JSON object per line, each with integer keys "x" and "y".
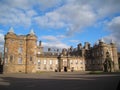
{"x": 60, "y": 82}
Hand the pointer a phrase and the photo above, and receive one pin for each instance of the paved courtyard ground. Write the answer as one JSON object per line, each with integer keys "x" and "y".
{"x": 59, "y": 81}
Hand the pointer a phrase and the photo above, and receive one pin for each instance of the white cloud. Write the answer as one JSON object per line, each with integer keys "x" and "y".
{"x": 1, "y": 38}
{"x": 49, "y": 38}
{"x": 72, "y": 16}
{"x": 114, "y": 27}
{"x": 59, "y": 45}
{"x": 114, "y": 24}
{"x": 53, "y": 42}
{"x": 1, "y": 42}
{"x": 75, "y": 41}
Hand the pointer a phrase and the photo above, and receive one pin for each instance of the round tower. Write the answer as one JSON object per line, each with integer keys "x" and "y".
{"x": 10, "y": 50}
{"x": 31, "y": 47}
{"x": 115, "y": 56}
{"x": 102, "y": 52}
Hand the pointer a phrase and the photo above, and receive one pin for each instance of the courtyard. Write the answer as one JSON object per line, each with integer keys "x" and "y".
{"x": 60, "y": 81}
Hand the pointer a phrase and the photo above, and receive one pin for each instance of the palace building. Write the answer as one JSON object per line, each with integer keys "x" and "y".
{"x": 23, "y": 55}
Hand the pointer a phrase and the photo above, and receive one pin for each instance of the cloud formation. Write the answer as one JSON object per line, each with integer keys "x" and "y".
{"x": 1, "y": 42}
{"x": 53, "y": 42}
{"x": 71, "y": 16}
{"x": 114, "y": 27}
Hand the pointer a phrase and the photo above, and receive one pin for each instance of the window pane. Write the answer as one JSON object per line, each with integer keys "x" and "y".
{"x": 56, "y": 61}
{"x": 38, "y": 62}
{"x": 20, "y": 50}
{"x": 50, "y": 61}
{"x": 45, "y": 62}
{"x": 6, "y": 49}
{"x": 20, "y": 60}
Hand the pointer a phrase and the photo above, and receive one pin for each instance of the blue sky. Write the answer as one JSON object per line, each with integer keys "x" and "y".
{"x": 62, "y": 23}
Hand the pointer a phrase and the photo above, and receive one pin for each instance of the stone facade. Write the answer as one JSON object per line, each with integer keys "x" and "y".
{"x": 23, "y": 55}
{"x": 19, "y": 52}
{"x": 119, "y": 59}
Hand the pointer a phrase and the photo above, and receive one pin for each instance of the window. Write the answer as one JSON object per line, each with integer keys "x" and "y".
{"x": 81, "y": 62}
{"x": 20, "y": 50}
{"x": 71, "y": 62}
{"x": 56, "y": 61}
{"x": 50, "y": 62}
{"x": 19, "y": 60}
{"x": 11, "y": 59}
{"x": 38, "y": 52}
{"x": 30, "y": 58}
{"x": 12, "y": 41}
{"x": 21, "y": 42}
{"x": 38, "y": 62}
{"x": 6, "y": 49}
{"x": 38, "y": 67}
{"x": 6, "y": 61}
{"x": 45, "y": 61}
{"x": 76, "y": 61}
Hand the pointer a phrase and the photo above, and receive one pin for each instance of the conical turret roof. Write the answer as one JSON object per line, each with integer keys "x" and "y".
{"x": 32, "y": 32}
{"x": 11, "y": 30}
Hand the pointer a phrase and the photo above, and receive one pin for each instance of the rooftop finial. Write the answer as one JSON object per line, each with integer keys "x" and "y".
{"x": 11, "y": 30}
{"x": 112, "y": 41}
{"x": 102, "y": 39}
{"x": 32, "y": 32}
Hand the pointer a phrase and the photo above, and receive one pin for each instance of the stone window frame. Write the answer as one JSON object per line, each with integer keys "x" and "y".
{"x": 51, "y": 62}
{"x": 45, "y": 62}
{"x": 21, "y": 42}
{"x": 6, "y": 60}
{"x": 39, "y": 62}
{"x": 12, "y": 40}
{"x": 56, "y": 62}
{"x": 6, "y": 49}
{"x": 11, "y": 59}
{"x": 81, "y": 61}
{"x": 20, "y": 49}
{"x": 71, "y": 61}
{"x": 19, "y": 60}
{"x": 31, "y": 58}
{"x": 38, "y": 52}
{"x": 76, "y": 61}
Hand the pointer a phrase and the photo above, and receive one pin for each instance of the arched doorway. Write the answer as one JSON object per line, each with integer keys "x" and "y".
{"x": 65, "y": 69}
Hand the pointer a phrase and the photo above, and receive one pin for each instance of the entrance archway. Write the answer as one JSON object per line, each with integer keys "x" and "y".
{"x": 65, "y": 69}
